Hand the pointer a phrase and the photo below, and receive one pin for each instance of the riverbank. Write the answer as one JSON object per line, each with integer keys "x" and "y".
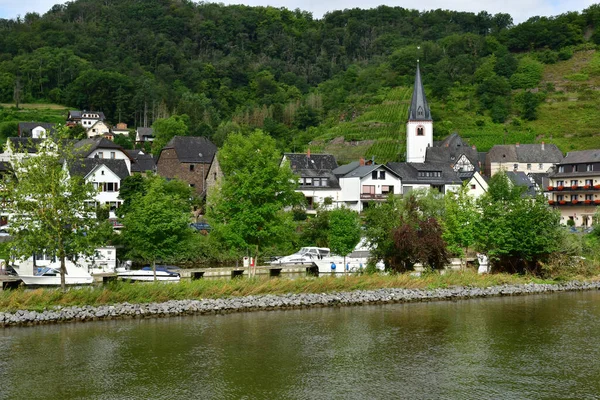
{"x": 258, "y": 302}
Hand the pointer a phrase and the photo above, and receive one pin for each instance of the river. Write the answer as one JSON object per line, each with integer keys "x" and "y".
{"x": 530, "y": 347}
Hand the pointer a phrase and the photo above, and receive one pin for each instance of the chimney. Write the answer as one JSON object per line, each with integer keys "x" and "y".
{"x": 543, "y": 146}
{"x": 361, "y": 161}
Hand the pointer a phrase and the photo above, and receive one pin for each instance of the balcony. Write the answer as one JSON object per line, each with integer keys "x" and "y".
{"x": 370, "y": 196}
{"x": 571, "y": 188}
{"x": 569, "y": 203}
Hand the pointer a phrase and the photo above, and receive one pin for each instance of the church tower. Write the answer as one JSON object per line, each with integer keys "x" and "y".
{"x": 419, "y": 128}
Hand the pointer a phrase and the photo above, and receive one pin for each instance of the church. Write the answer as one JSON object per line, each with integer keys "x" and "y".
{"x": 444, "y": 165}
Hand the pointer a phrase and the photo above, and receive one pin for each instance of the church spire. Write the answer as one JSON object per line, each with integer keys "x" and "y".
{"x": 419, "y": 109}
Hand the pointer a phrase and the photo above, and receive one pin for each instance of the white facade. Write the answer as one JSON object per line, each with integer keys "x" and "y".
{"x": 477, "y": 186}
{"x": 113, "y": 154}
{"x": 419, "y": 136}
{"x": 99, "y": 128}
{"x": 39, "y": 132}
{"x": 515, "y": 166}
{"x": 88, "y": 119}
{"x": 108, "y": 184}
{"x": 375, "y": 185}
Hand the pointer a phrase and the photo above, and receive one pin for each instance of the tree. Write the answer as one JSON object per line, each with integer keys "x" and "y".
{"x": 49, "y": 207}
{"x": 248, "y": 209}
{"x": 344, "y": 231}
{"x": 166, "y": 129}
{"x": 157, "y": 224}
{"x": 516, "y": 231}
{"x": 460, "y": 221}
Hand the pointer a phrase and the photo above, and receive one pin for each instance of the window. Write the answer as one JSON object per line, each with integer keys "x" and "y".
{"x": 324, "y": 182}
{"x": 192, "y": 185}
{"x": 515, "y": 166}
{"x": 574, "y": 182}
{"x": 560, "y": 183}
{"x": 589, "y": 197}
{"x": 420, "y": 131}
{"x": 316, "y": 182}
{"x": 473, "y": 187}
{"x": 374, "y": 175}
{"x": 368, "y": 189}
{"x": 589, "y": 182}
{"x": 110, "y": 187}
{"x": 561, "y": 168}
{"x": 387, "y": 189}
{"x": 560, "y": 197}
{"x": 191, "y": 167}
{"x": 100, "y": 154}
{"x": 215, "y": 176}
{"x": 590, "y": 167}
{"x": 113, "y": 155}
{"x": 540, "y": 166}
{"x": 307, "y": 181}
{"x": 528, "y": 166}
{"x": 381, "y": 174}
{"x": 102, "y": 172}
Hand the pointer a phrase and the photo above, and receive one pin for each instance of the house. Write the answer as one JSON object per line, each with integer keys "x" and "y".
{"x": 84, "y": 118}
{"x": 214, "y": 175}
{"x": 106, "y": 175}
{"x": 455, "y": 152}
{"x": 366, "y": 184}
{"x": 521, "y": 179}
{"x": 477, "y": 185}
{"x": 120, "y": 129}
{"x": 141, "y": 162}
{"x": 427, "y": 175}
{"x": 19, "y": 147}
{"x": 102, "y": 148}
{"x": 574, "y": 187}
{"x": 536, "y": 158}
{"x": 144, "y": 135}
{"x": 35, "y": 130}
{"x": 187, "y": 158}
{"x": 99, "y": 128}
{"x": 317, "y": 182}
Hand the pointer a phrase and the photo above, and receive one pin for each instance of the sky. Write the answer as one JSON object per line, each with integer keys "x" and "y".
{"x": 520, "y": 10}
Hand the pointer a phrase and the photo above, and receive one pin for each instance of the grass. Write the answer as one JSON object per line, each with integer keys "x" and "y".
{"x": 120, "y": 292}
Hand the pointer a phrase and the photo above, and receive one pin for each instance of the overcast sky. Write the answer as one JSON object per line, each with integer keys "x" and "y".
{"x": 520, "y": 10}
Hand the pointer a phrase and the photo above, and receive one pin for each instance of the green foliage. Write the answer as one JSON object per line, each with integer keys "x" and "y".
{"x": 517, "y": 232}
{"x": 166, "y": 129}
{"x": 460, "y": 221}
{"x": 48, "y": 205}
{"x": 248, "y": 209}
{"x": 344, "y": 231}
{"x": 157, "y": 222}
{"x": 528, "y": 75}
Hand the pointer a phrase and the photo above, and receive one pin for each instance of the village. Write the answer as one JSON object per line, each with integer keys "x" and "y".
{"x": 571, "y": 182}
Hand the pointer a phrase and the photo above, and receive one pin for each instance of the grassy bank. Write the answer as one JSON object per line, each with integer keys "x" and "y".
{"x": 120, "y": 292}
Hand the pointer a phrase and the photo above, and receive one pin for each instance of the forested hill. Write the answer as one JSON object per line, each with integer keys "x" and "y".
{"x": 303, "y": 79}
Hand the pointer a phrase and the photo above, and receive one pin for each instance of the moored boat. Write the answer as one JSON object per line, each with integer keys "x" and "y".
{"x": 50, "y": 275}
{"x": 163, "y": 274}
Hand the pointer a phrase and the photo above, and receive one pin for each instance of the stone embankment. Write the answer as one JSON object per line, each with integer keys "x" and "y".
{"x": 278, "y": 302}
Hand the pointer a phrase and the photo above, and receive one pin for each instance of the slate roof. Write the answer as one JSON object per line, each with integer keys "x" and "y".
{"x": 5, "y": 166}
{"x": 582, "y": 157}
{"x": 409, "y": 172}
{"x": 525, "y": 153}
{"x": 25, "y": 128}
{"x": 19, "y": 144}
{"x": 520, "y": 178}
{"x": 77, "y": 114}
{"x": 419, "y": 109}
{"x": 86, "y": 146}
{"x": 142, "y": 162}
{"x": 86, "y": 165}
{"x": 315, "y": 161}
{"x": 192, "y": 149}
{"x": 344, "y": 169}
{"x": 145, "y": 132}
{"x": 450, "y": 150}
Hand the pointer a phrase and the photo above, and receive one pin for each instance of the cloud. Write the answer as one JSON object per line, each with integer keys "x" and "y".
{"x": 520, "y": 10}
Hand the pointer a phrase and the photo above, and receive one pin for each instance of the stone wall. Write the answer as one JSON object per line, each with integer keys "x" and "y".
{"x": 168, "y": 166}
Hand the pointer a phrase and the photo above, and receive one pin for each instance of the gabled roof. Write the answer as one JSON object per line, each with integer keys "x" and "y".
{"x": 525, "y": 153}
{"x": 582, "y": 157}
{"x": 520, "y": 178}
{"x": 77, "y": 114}
{"x": 344, "y": 169}
{"x": 25, "y": 128}
{"x": 419, "y": 109}
{"x": 192, "y": 149}
{"x": 416, "y": 173}
{"x": 142, "y": 162}
{"x": 145, "y": 131}
{"x": 24, "y": 144}
{"x": 85, "y": 166}
{"x": 314, "y": 161}
{"x": 365, "y": 170}
{"x": 86, "y": 146}
{"x": 450, "y": 150}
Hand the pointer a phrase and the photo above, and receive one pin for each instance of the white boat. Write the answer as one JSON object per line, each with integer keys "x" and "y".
{"x": 50, "y": 275}
{"x": 306, "y": 255}
{"x": 163, "y": 274}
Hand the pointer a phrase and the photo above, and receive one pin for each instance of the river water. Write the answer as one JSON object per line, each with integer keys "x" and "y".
{"x": 532, "y": 347}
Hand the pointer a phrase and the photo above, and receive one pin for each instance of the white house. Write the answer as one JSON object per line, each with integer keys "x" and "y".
{"x": 99, "y": 128}
{"x": 102, "y": 148}
{"x": 144, "y": 135}
{"x": 368, "y": 183}
{"x": 35, "y": 130}
{"x": 84, "y": 118}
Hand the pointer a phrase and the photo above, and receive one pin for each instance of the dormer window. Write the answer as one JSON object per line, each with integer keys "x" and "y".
{"x": 420, "y": 112}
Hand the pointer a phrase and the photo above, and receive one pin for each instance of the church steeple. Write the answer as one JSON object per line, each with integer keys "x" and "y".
{"x": 419, "y": 109}
{"x": 419, "y": 127}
